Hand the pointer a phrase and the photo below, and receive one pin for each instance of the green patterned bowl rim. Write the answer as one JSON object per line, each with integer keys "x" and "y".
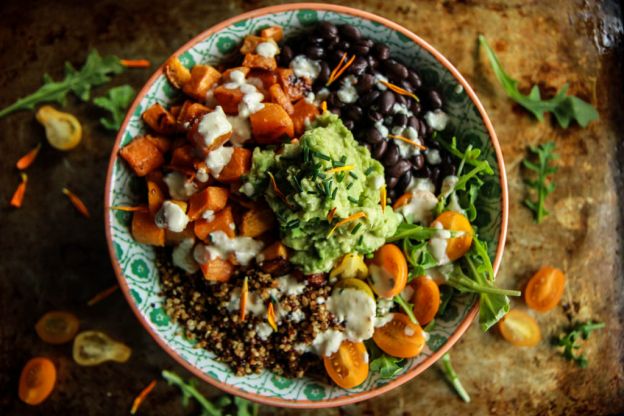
{"x": 501, "y": 204}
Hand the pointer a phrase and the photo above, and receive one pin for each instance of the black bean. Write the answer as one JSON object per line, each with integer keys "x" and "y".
{"x": 418, "y": 161}
{"x": 379, "y": 149}
{"x": 415, "y": 107}
{"x": 422, "y": 129}
{"x": 316, "y": 40}
{"x": 358, "y": 66}
{"x": 413, "y": 123}
{"x": 368, "y": 146}
{"x": 323, "y": 75}
{"x": 399, "y": 120}
{"x": 331, "y": 44}
{"x": 434, "y": 174}
{"x": 381, "y": 51}
{"x": 286, "y": 55}
{"x": 327, "y": 30}
{"x": 372, "y": 136}
{"x": 353, "y": 112}
{"x": 391, "y": 157}
{"x": 335, "y": 110}
{"x": 349, "y": 32}
{"x": 315, "y": 52}
{"x": 435, "y": 101}
{"x": 368, "y": 99}
{"x": 373, "y": 63}
{"x": 343, "y": 45}
{"x": 395, "y": 70}
{"x": 448, "y": 170}
{"x": 404, "y": 182}
{"x": 388, "y": 122}
{"x": 365, "y": 83}
{"x": 392, "y": 194}
{"x": 391, "y": 182}
{"x": 335, "y": 55}
{"x": 401, "y": 99}
{"x": 374, "y": 115}
{"x": 425, "y": 172}
{"x": 349, "y": 124}
{"x": 414, "y": 79}
{"x": 334, "y": 101}
{"x": 386, "y": 101}
{"x": 406, "y": 85}
{"x": 400, "y": 168}
{"x": 360, "y": 48}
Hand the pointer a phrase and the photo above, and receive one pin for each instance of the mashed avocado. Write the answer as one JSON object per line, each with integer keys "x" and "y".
{"x": 309, "y": 191}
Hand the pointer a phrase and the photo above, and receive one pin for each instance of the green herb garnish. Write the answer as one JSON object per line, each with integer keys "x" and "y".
{"x": 116, "y": 102}
{"x": 356, "y": 228}
{"x": 369, "y": 170}
{"x": 96, "y": 71}
{"x": 453, "y": 378}
{"x": 565, "y": 107}
{"x": 407, "y": 307}
{"x": 569, "y": 344}
{"x": 352, "y": 174}
{"x": 540, "y": 185}
{"x": 381, "y": 363}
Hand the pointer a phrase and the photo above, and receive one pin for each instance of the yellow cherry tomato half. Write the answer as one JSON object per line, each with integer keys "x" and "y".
{"x": 456, "y": 247}
{"x": 400, "y": 337}
{"x": 544, "y": 290}
{"x": 63, "y": 130}
{"x": 348, "y": 367}
{"x": 94, "y": 347}
{"x": 37, "y": 380}
{"x": 354, "y": 284}
{"x": 388, "y": 271}
{"x": 57, "y": 327}
{"x": 519, "y": 329}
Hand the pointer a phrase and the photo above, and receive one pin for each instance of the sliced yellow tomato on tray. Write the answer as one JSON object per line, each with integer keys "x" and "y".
{"x": 388, "y": 271}
{"x": 400, "y": 337}
{"x": 519, "y": 329}
{"x": 348, "y": 367}
{"x": 544, "y": 290}
{"x": 456, "y": 247}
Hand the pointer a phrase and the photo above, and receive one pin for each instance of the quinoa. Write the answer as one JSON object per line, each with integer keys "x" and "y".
{"x": 203, "y": 309}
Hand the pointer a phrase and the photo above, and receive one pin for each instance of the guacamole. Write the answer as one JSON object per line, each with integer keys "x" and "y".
{"x": 325, "y": 169}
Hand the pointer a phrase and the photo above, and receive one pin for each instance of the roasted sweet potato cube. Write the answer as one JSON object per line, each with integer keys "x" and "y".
{"x": 217, "y": 270}
{"x": 274, "y": 32}
{"x": 223, "y": 221}
{"x": 159, "y": 119}
{"x": 303, "y": 111}
{"x": 293, "y": 87}
{"x": 271, "y": 124}
{"x": 279, "y": 97}
{"x": 142, "y": 156}
{"x": 175, "y": 110}
{"x": 226, "y": 74}
{"x": 202, "y": 79}
{"x": 183, "y": 157}
{"x": 277, "y": 250}
{"x": 145, "y": 231}
{"x": 173, "y": 238}
{"x": 156, "y": 191}
{"x": 268, "y": 78}
{"x": 188, "y": 113}
{"x": 211, "y": 198}
{"x": 253, "y": 60}
{"x": 176, "y": 73}
{"x": 251, "y": 42}
{"x": 210, "y": 131}
{"x": 162, "y": 143}
{"x": 239, "y": 165}
{"x": 228, "y": 99}
{"x": 256, "y": 221}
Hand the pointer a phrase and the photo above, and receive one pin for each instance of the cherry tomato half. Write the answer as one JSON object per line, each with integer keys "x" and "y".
{"x": 456, "y": 247}
{"x": 388, "y": 271}
{"x": 57, "y": 327}
{"x": 544, "y": 290}
{"x": 37, "y": 380}
{"x": 426, "y": 299}
{"x": 519, "y": 329}
{"x": 353, "y": 283}
{"x": 400, "y": 337}
{"x": 94, "y": 347}
{"x": 348, "y": 367}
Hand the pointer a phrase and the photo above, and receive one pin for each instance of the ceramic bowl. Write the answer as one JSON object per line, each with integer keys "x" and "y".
{"x": 134, "y": 263}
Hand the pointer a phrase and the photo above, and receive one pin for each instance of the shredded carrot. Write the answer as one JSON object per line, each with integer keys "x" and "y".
{"x": 339, "y": 69}
{"x": 243, "y": 299}
{"x": 141, "y": 208}
{"x": 25, "y": 161}
{"x": 135, "y": 63}
{"x": 18, "y": 196}
{"x": 141, "y": 397}
{"x": 399, "y": 90}
{"x": 277, "y": 190}
{"x": 330, "y": 215}
{"x": 102, "y": 295}
{"x": 78, "y": 204}
{"x": 406, "y": 140}
{"x": 271, "y": 316}
{"x": 324, "y": 106}
{"x": 350, "y": 218}
{"x": 384, "y": 197}
{"x": 340, "y": 169}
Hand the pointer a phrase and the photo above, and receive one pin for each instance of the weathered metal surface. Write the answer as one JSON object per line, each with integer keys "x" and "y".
{"x": 54, "y": 259}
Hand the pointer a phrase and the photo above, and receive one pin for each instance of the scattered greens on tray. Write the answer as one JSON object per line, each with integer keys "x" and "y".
{"x": 566, "y": 108}
{"x": 116, "y": 101}
{"x": 540, "y": 184}
{"x": 571, "y": 347}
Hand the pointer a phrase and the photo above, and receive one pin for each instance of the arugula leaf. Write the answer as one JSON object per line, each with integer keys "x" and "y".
{"x": 565, "y": 107}
{"x": 419, "y": 257}
{"x": 545, "y": 155}
{"x": 116, "y": 102}
{"x": 569, "y": 344}
{"x": 407, "y": 307}
{"x": 245, "y": 407}
{"x": 189, "y": 390}
{"x": 453, "y": 378}
{"x": 96, "y": 71}
{"x": 413, "y": 231}
{"x": 381, "y": 363}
